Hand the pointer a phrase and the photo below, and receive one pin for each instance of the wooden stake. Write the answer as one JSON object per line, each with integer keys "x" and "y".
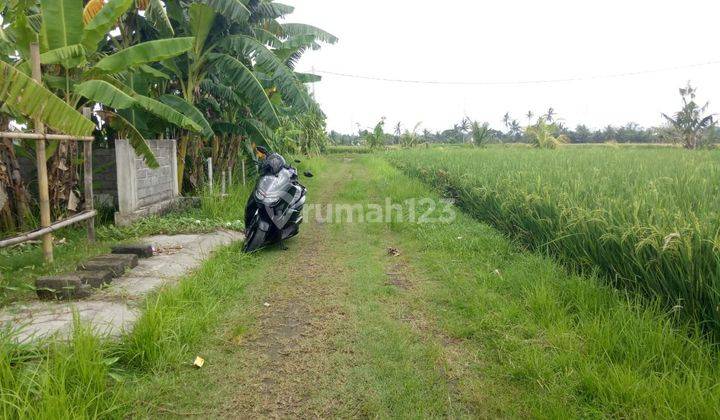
{"x": 243, "y": 172}
{"x": 210, "y": 173}
{"x": 88, "y": 178}
{"x": 222, "y": 183}
{"x": 43, "y": 188}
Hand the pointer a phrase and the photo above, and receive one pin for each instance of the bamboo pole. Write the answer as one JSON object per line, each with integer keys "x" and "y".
{"x": 43, "y": 187}
{"x": 88, "y": 178}
{"x": 35, "y": 136}
{"x": 48, "y": 229}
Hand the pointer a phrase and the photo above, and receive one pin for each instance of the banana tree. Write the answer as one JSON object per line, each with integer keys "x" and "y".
{"x": 232, "y": 61}
{"x": 85, "y": 66}
{"x": 99, "y": 68}
{"x": 80, "y": 68}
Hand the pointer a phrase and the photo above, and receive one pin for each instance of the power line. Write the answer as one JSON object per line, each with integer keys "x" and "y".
{"x": 520, "y": 82}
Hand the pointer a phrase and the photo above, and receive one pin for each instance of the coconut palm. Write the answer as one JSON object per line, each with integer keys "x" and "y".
{"x": 550, "y": 115}
{"x": 515, "y": 129}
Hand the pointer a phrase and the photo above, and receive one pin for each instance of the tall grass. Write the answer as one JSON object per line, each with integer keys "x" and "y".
{"x": 57, "y": 379}
{"x": 86, "y": 377}
{"x": 648, "y": 219}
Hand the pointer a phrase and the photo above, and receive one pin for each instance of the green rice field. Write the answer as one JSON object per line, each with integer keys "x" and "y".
{"x": 648, "y": 219}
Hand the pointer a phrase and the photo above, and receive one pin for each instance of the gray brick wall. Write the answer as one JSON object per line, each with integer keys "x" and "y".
{"x": 155, "y": 185}
{"x": 141, "y": 190}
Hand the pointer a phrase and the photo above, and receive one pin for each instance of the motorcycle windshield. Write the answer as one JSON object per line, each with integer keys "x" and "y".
{"x": 272, "y": 188}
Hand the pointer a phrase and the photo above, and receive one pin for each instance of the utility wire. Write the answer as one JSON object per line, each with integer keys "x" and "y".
{"x": 521, "y": 82}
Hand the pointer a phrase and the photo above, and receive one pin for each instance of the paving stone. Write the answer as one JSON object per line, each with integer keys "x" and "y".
{"x": 96, "y": 279}
{"x": 105, "y": 310}
{"x": 116, "y": 264}
{"x": 141, "y": 250}
{"x": 68, "y": 286}
{"x": 130, "y": 259}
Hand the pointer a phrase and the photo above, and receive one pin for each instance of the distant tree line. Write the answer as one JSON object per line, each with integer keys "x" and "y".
{"x": 462, "y": 133}
{"x": 691, "y": 126}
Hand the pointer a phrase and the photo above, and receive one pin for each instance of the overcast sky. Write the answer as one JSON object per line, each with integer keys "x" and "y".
{"x": 511, "y": 41}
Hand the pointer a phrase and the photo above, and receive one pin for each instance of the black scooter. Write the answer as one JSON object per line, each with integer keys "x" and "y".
{"x": 274, "y": 209}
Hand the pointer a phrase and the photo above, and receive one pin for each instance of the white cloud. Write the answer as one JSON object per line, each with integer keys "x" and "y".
{"x": 512, "y": 40}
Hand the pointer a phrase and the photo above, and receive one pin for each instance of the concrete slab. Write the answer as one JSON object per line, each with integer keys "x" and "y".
{"x": 64, "y": 287}
{"x": 115, "y": 263}
{"x": 141, "y": 250}
{"x": 114, "y": 309}
{"x": 96, "y": 279}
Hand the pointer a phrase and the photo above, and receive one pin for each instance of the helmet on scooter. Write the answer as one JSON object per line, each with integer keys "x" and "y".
{"x": 273, "y": 163}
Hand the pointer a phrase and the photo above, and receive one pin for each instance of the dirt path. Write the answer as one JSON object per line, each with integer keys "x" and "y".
{"x": 336, "y": 327}
{"x": 287, "y": 361}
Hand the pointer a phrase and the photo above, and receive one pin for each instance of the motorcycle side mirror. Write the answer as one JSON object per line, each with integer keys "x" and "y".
{"x": 308, "y": 174}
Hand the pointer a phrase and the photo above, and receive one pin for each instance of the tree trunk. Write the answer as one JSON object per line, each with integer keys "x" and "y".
{"x": 216, "y": 150}
{"x": 17, "y": 207}
{"x": 182, "y": 154}
{"x": 63, "y": 177}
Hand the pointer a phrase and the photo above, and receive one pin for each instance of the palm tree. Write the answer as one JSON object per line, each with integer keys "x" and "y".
{"x": 507, "y": 119}
{"x": 529, "y": 116}
{"x": 550, "y": 116}
{"x": 515, "y": 129}
{"x": 690, "y": 123}
{"x": 398, "y": 132}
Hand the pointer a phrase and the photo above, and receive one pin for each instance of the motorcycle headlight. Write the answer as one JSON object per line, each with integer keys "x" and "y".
{"x": 267, "y": 198}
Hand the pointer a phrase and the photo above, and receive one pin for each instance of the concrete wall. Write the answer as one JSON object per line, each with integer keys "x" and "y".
{"x": 140, "y": 190}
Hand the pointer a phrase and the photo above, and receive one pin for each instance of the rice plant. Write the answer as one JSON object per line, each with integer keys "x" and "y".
{"x": 648, "y": 219}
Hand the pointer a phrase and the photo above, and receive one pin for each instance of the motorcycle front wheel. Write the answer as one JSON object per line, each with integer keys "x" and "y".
{"x": 254, "y": 240}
